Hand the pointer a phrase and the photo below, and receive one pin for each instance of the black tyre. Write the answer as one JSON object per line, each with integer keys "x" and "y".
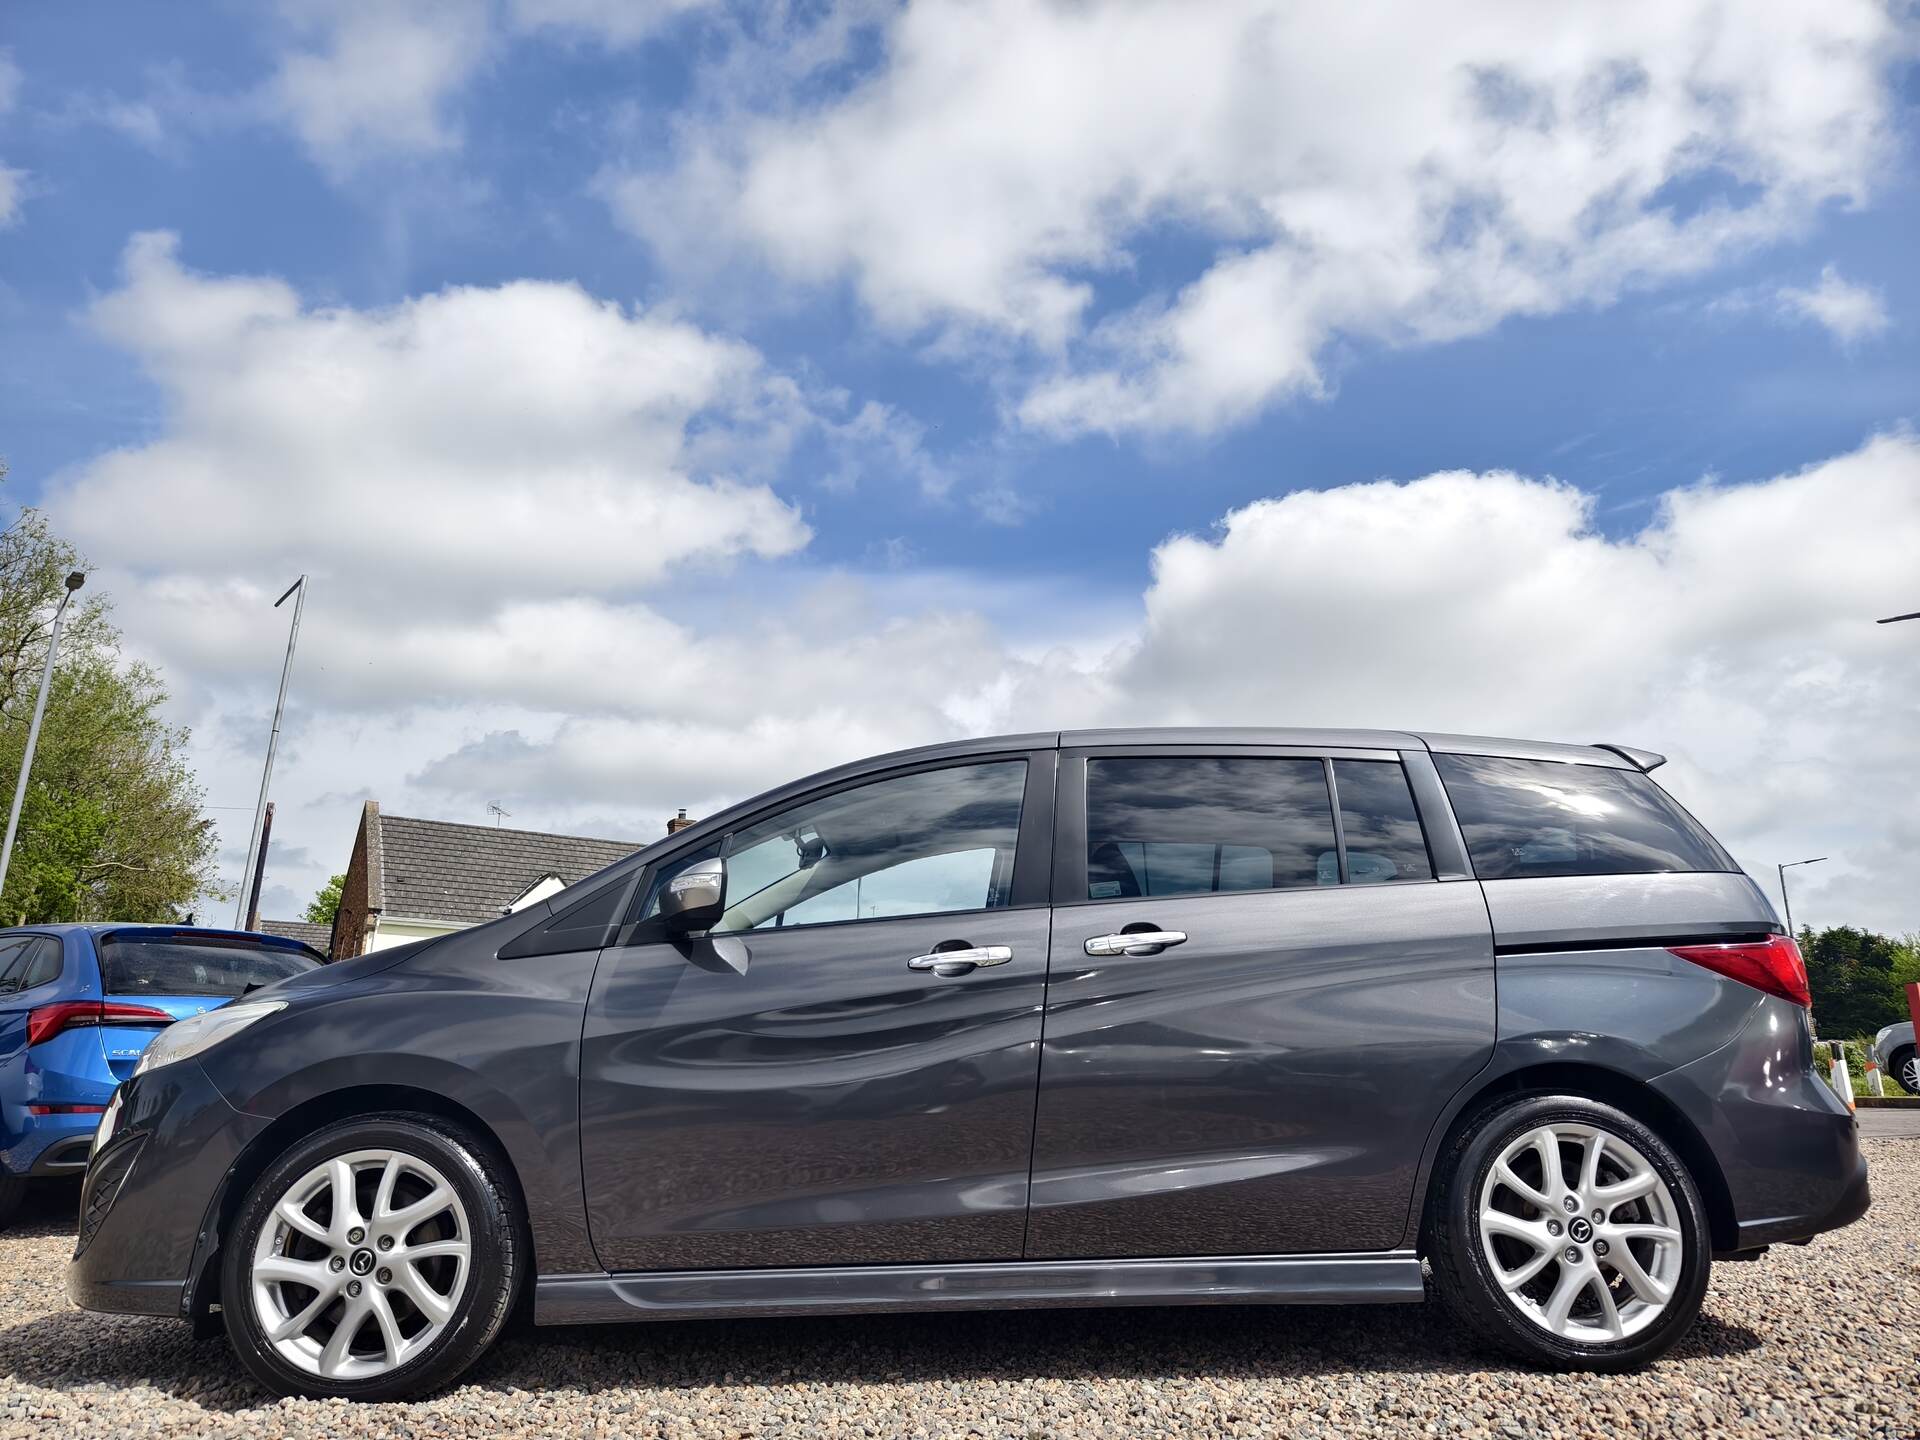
{"x": 13, "y": 1189}
{"x": 1906, "y": 1069}
{"x": 375, "y": 1260}
{"x": 1567, "y": 1233}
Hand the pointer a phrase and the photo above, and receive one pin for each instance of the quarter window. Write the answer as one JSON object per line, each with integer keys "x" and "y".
{"x": 1526, "y": 818}
{"x": 43, "y": 963}
{"x": 1195, "y": 825}
{"x": 1379, "y": 824}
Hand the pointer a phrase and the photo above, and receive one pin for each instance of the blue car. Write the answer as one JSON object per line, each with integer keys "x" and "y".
{"x": 79, "y": 1003}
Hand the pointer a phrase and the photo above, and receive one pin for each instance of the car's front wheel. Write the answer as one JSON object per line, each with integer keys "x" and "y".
{"x": 1568, "y": 1233}
{"x": 374, "y": 1260}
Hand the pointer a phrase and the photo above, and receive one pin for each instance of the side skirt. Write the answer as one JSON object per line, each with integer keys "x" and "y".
{"x": 1390, "y": 1277}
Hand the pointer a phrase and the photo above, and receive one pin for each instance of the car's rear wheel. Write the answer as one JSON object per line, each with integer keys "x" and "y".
{"x": 13, "y": 1189}
{"x": 374, "y": 1260}
{"x": 1566, "y": 1232}
{"x": 1906, "y": 1069}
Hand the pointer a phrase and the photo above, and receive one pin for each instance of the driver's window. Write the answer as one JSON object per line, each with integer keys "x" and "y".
{"x": 921, "y": 844}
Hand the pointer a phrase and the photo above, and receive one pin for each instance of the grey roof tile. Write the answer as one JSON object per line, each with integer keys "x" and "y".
{"x": 305, "y": 931}
{"x": 466, "y": 874}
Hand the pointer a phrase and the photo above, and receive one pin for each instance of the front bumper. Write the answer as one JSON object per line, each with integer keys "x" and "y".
{"x": 146, "y": 1207}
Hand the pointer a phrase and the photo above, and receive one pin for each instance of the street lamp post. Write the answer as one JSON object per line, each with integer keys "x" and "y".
{"x": 273, "y": 741}
{"x": 1783, "y": 885}
{"x": 74, "y": 582}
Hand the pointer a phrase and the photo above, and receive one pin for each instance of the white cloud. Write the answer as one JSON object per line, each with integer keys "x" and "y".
{"x": 1733, "y": 633}
{"x": 12, "y": 182}
{"x": 614, "y": 22}
{"x": 535, "y": 583}
{"x": 375, "y": 78}
{"x": 1344, "y": 179}
{"x": 1848, "y": 312}
{"x": 527, "y": 438}
{"x": 366, "y": 81}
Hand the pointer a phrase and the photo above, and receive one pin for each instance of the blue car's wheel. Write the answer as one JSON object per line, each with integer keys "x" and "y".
{"x": 12, "y": 1190}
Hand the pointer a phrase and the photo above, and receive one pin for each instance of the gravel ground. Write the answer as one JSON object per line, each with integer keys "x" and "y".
{"x": 1820, "y": 1341}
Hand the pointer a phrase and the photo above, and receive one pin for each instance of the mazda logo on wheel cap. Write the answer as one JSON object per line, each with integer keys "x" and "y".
{"x": 362, "y": 1262}
{"x": 1581, "y": 1229}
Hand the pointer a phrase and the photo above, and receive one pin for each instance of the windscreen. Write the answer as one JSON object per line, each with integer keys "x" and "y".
{"x": 185, "y": 965}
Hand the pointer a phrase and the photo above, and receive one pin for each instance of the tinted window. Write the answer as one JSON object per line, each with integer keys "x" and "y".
{"x": 1198, "y": 825}
{"x": 922, "y": 844}
{"x": 187, "y": 966}
{"x": 15, "y": 954}
{"x": 1379, "y": 824}
{"x": 1542, "y": 817}
{"x": 42, "y": 963}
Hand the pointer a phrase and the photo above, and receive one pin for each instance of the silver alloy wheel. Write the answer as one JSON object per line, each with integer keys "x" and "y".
{"x": 361, "y": 1265}
{"x": 1910, "y": 1073}
{"x": 1581, "y": 1232}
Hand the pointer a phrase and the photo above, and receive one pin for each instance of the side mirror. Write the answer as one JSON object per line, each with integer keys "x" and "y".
{"x": 695, "y": 899}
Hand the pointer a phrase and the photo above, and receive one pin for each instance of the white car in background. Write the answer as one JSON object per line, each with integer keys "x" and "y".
{"x": 1893, "y": 1047}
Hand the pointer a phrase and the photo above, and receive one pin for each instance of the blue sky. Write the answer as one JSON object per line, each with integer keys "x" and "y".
{"x": 764, "y": 175}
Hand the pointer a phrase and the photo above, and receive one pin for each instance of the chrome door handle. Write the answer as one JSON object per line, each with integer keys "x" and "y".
{"x": 1135, "y": 942}
{"x": 960, "y": 962}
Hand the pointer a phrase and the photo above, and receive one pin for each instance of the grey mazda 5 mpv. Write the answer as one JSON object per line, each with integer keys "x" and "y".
{"x": 1096, "y": 1018}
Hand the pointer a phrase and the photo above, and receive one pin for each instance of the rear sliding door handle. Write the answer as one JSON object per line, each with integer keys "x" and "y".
{"x": 961, "y": 962}
{"x": 1135, "y": 942}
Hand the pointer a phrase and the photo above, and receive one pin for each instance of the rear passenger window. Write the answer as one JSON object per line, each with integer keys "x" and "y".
{"x": 1195, "y": 825}
{"x": 1379, "y": 824}
{"x": 1543, "y": 817}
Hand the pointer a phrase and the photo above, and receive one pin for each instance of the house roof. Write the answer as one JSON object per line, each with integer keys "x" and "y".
{"x": 467, "y": 874}
{"x": 305, "y": 931}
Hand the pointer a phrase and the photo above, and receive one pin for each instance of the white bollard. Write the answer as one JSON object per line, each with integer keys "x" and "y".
{"x": 1842, "y": 1082}
{"x": 1875, "y": 1085}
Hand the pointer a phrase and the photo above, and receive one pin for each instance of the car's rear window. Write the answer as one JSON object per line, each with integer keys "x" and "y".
{"x": 133, "y": 965}
{"x": 1541, "y": 817}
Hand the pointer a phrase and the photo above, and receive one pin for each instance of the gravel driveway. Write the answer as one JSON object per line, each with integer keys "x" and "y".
{"x": 1764, "y": 1360}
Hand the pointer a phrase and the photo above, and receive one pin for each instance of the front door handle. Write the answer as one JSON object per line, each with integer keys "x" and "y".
{"x": 1135, "y": 942}
{"x": 961, "y": 962}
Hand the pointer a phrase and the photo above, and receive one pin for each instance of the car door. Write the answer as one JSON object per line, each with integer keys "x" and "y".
{"x": 1258, "y": 1071}
{"x": 808, "y": 1084}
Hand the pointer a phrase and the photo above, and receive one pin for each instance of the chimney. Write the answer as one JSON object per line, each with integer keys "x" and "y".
{"x": 678, "y": 822}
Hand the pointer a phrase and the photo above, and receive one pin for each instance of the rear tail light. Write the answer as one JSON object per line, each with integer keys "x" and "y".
{"x": 47, "y": 1021}
{"x": 66, "y": 1109}
{"x": 1773, "y": 965}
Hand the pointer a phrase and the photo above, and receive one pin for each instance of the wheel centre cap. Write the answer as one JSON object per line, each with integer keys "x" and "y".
{"x": 1581, "y": 1229}
{"x": 362, "y": 1262}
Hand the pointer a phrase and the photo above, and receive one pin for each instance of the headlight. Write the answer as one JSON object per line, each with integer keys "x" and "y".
{"x": 184, "y": 1039}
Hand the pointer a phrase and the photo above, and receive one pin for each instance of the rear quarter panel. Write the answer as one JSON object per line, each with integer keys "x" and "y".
{"x": 1584, "y": 977}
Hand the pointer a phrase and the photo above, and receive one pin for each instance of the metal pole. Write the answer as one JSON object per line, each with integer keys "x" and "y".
{"x": 1784, "y": 900}
{"x": 298, "y": 589}
{"x": 74, "y": 582}
{"x": 259, "y": 871}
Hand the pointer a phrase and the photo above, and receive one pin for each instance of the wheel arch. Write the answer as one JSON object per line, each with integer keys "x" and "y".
{"x": 1609, "y": 1087}
{"x": 304, "y": 1119}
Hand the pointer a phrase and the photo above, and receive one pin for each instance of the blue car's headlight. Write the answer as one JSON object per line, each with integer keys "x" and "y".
{"x": 187, "y": 1038}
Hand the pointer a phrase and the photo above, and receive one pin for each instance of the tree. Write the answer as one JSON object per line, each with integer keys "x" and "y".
{"x": 1855, "y": 977}
{"x": 326, "y": 904}
{"x": 111, "y": 827}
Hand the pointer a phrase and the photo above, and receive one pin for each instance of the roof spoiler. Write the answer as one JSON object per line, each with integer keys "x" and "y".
{"x": 1642, "y": 760}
